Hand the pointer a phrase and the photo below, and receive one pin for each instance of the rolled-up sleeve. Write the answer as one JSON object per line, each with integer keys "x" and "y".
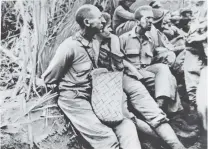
{"x": 164, "y": 42}
{"x": 124, "y": 14}
{"x": 122, "y": 44}
{"x": 115, "y": 45}
{"x": 59, "y": 64}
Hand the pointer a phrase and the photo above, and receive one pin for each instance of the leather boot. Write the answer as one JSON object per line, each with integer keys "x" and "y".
{"x": 168, "y": 135}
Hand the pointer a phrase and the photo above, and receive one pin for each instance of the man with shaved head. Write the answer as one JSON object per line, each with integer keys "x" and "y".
{"x": 70, "y": 70}
{"x": 138, "y": 49}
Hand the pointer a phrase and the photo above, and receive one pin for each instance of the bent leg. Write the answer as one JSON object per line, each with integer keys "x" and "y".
{"x": 168, "y": 135}
{"x": 142, "y": 102}
{"x": 166, "y": 86}
{"x": 201, "y": 98}
{"x": 192, "y": 67}
{"x": 127, "y": 135}
{"x": 140, "y": 124}
{"x": 80, "y": 113}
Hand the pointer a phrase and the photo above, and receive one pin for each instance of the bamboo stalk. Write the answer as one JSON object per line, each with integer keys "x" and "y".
{"x": 30, "y": 133}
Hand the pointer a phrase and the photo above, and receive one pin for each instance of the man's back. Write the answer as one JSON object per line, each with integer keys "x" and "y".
{"x": 71, "y": 65}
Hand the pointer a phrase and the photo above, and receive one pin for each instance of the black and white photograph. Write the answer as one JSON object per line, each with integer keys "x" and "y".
{"x": 103, "y": 74}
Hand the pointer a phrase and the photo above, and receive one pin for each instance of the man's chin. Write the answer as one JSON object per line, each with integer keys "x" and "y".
{"x": 94, "y": 30}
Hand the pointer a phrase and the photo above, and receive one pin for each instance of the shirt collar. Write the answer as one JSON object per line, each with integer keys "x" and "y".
{"x": 82, "y": 40}
{"x": 133, "y": 34}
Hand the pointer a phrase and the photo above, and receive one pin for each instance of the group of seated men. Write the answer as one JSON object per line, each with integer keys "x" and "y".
{"x": 141, "y": 41}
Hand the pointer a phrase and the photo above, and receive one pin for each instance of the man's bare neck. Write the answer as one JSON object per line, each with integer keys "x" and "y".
{"x": 140, "y": 31}
{"x": 87, "y": 35}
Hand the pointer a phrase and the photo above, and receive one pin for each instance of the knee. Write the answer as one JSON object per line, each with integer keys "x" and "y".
{"x": 158, "y": 120}
{"x": 129, "y": 126}
{"x": 171, "y": 58}
{"x": 162, "y": 68}
{"x": 128, "y": 123}
{"x": 138, "y": 92}
{"x": 134, "y": 88}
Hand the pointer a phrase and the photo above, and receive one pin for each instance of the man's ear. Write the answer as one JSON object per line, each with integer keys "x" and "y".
{"x": 86, "y": 22}
{"x": 138, "y": 22}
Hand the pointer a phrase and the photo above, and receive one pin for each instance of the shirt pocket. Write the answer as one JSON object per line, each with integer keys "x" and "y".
{"x": 133, "y": 55}
{"x": 147, "y": 50}
{"x": 132, "y": 51}
{"x": 82, "y": 68}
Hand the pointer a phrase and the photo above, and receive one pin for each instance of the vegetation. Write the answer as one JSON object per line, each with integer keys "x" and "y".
{"x": 31, "y": 31}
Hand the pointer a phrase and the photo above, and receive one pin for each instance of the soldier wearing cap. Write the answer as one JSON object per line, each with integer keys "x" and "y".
{"x": 186, "y": 18}
{"x": 175, "y": 35}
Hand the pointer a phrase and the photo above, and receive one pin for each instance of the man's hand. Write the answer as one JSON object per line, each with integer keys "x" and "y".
{"x": 40, "y": 83}
{"x": 196, "y": 37}
{"x": 132, "y": 69}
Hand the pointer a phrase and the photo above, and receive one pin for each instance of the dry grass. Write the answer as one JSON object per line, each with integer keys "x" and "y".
{"x": 32, "y": 31}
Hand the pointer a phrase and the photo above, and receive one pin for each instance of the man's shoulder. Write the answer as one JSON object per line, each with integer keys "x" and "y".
{"x": 113, "y": 36}
{"x": 70, "y": 43}
{"x": 126, "y": 35}
{"x": 119, "y": 8}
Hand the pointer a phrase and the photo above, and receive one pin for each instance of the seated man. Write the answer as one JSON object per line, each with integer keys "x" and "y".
{"x": 110, "y": 57}
{"x": 70, "y": 69}
{"x": 123, "y": 19}
{"x": 195, "y": 59}
{"x": 175, "y": 18}
{"x": 139, "y": 49}
{"x": 164, "y": 50}
{"x": 186, "y": 18}
{"x": 176, "y": 37}
{"x": 173, "y": 34}
{"x": 201, "y": 98}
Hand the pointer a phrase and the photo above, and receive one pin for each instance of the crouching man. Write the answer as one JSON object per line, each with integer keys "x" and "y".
{"x": 70, "y": 69}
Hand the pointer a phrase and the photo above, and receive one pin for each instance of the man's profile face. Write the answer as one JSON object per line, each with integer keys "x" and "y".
{"x": 167, "y": 28}
{"x": 106, "y": 31}
{"x": 188, "y": 15}
{"x": 146, "y": 20}
{"x": 129, "y": 3}
{"x": 166, "y": 24}
{"x": 96, "y": 21}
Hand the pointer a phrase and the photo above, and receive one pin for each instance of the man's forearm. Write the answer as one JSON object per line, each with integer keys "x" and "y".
{"x": 132, "y": 69}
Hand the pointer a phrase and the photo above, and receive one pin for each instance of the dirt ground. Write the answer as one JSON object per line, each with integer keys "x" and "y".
{"x": 50, "y": 129}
